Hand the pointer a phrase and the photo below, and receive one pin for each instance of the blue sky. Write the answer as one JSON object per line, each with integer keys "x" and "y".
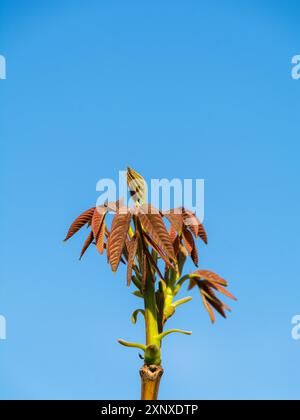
{"x": 182, "y": 89}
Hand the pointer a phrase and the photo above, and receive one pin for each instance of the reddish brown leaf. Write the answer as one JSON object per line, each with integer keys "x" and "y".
{"x": 222, "y": 290}
{"x": 156, "y": 248}
{"x": 188, "y": 241}
{"x": 194, "y": 224}
{"x": 175, "y": 219}
{"x": 107, "y": 234}
{"x": 211, "y": 276}
{"x": 173, "y": 234}
{"x": 101, "y": 236}
{"x": 151, "y": 262}
{"x": 207, "y": 283}
{"x": 78, "y": 223}
{"x": 176, "y": 245}
{"x": 117, "y": 237}
{"x": 191, "y": 221}
{"x": 152, "y": 222}
{"x": 195, "y": 256}
{"x": 190, "y": 245}
{"x": 192, "y": 284}
{"x": 208, "y": 308}
{"x": 212, "y": 299}
{"x": 218, "y": 306}
{"x": 97, "y": 220}
{"x": 202, "y": 234}
{"x": 87, "y": 243}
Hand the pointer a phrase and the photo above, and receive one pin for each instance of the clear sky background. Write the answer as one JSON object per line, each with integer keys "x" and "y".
{"x": 188, "y": 89}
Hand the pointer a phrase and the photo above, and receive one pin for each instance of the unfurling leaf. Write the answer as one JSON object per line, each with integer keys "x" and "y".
{"x": 137, "y": 186}
{"x": 78, "y": 223}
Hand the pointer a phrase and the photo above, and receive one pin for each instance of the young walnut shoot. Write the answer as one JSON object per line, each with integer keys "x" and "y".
{"x": 155, "y": 246}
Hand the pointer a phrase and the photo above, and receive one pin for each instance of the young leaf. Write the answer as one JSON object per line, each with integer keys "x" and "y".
{"x": 213, "y": 300}
{"x": 173, "y": 234}
{"x": 87, "y": 243}
{"x": 194, "y": 224}
{"x": 152, "y": 262}
{"x": 117, "y": 237}
{"x": 210, "y": 276}
{"x": 156, "y": 248}
{"x": 101, "y": 236}
{"x": 191, "y": 221}
{"x": 97, "y": 220}
{"x": 208, "y": 308}
{"x": 195, "y": 256}
{"x": 153, "y": 223}
{"x": 222, "y": 290}
{"x": 202, "y": 234}
{"x": 175, "y": 219}
{"x": 137, "y": 186}
{"x": 78, "y": 223}
{"x": 188, "y": 241}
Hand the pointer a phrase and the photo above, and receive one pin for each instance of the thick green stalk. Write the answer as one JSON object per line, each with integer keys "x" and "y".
{"x": 151, "y": 372}
{"x": 169, "y": 294}
{"x": 151, "y": 314}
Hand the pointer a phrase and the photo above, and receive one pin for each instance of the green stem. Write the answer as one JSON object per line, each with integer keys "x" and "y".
{"x": 135, "y": 315}
{"x": 182, "y": 280}
{"x": 153, "y": 343}
{"x": 134, "y": 345}
{"x": 151, "y": 314}
{"x": 170, "y": 294}
{"x": 164, "y": 334}
{"x": 182, "y": 301}
{"x": 137, "y": 282}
